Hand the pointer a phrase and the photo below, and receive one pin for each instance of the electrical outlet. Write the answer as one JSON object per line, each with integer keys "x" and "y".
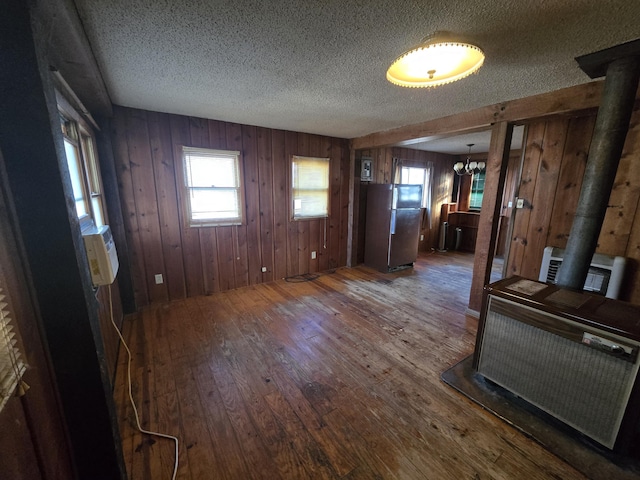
{"x": 520, "y": 203}
{"x": 159, "y": 279}
{"x": 421, "y": 238}
{"x": 313, "y": 255}
{"x": 264, "y": 269}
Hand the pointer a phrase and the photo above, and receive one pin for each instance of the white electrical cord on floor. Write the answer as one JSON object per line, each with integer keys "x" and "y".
{"x": 133, "y": 404}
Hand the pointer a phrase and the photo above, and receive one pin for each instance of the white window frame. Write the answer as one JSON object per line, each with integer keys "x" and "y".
{"x": 187, "y": 187}
{"x": 76, "y": 170}
{"x": 77, "y": 132}
{"x": 93, "y": 177}
{"x": 303, "y": 194}
{"x": 426, "y": 183}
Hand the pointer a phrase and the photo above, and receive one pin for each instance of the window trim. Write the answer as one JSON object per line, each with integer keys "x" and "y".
{"x": 473, "y": 179}
{"x": 426, "y": 182}
{"x": 86, "y": 218}
{"x": 292, "y": 213}
{"x": 89, "y": 163}
{"x": 184, "y": 188}
{"x": 94, "y": 178}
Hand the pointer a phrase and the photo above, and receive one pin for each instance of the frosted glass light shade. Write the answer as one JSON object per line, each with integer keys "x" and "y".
{"x": 436, "y": 61}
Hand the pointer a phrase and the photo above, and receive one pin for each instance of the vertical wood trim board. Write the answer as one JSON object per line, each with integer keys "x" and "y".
{"x": 519, "y": 237}
{"x": 497, "y": 163}
{"x": 197, "y": 261}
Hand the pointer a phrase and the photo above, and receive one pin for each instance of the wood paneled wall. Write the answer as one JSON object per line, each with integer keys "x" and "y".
{"x": 383, "y": 173}
{"x": 508, "y": 195}
{"x": 197, "y": 261}
{"x": 555, "y": 156}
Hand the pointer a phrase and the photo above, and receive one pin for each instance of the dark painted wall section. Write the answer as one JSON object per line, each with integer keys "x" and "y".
{"x": 32, "y": 146}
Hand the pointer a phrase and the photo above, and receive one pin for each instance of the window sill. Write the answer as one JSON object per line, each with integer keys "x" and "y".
{"x": 298, "y": 219}
{"x": 216, "y": 224}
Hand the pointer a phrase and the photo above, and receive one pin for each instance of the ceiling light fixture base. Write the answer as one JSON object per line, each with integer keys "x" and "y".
{"x": 439, "y": 59}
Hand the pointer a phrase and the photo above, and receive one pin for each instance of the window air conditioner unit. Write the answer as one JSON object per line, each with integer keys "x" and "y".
{"x": 604, "y": 277}
{"x": 101, "y": 254}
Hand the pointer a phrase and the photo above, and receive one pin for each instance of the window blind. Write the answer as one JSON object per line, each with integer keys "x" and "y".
{"x": 12, "y": 367}
{"x": 310, "y": 187}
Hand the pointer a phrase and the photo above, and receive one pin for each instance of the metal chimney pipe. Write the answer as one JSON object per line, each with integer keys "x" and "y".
{"x": 612, "y": 124}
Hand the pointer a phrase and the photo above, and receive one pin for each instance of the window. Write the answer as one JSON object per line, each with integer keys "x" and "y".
{"x": 418, "y": 176}
{"x": 12, "y": 367}
{"x": 309, "y": 187}
{"x": 83, "y": 167}
{"x": 212, "y": 193}
{"x": 75, "y": 172}
{"x": 93, "y": 177}
{"x": 477, "y": 191}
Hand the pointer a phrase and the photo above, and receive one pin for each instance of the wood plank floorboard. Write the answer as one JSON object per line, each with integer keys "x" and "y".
{"x": 335, "y": 378}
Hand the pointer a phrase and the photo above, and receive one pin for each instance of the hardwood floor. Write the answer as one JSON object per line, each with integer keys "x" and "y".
{"x": 335, "y": 378}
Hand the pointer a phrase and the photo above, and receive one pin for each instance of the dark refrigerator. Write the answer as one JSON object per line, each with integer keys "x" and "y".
{"x": 392, "y": 226}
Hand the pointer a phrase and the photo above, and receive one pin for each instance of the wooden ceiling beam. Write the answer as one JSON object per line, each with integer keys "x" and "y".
{"x": 580, "y": 97}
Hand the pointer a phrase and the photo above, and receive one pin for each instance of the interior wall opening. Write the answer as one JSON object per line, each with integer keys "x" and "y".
{"x": 451, "y": 216}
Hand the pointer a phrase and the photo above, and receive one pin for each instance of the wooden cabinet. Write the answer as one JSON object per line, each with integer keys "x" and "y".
{"x": 467, "y": 222}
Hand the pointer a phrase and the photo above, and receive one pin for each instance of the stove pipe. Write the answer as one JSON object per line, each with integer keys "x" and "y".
{"x": 612, "y": 124}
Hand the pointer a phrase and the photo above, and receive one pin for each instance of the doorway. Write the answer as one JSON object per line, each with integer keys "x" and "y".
{"x": 456, "y": 200}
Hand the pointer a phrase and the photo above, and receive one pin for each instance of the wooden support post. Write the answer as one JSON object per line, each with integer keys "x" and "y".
{"x": 352, "y": 226}
{"x": 497, "y": 162}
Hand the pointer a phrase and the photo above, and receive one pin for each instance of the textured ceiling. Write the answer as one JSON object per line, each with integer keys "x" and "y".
{"x": 319, "y": 66}
{"x": 459, "y": 144}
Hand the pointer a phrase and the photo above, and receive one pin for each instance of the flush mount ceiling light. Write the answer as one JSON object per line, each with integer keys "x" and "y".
{"x": 439, "y": 59}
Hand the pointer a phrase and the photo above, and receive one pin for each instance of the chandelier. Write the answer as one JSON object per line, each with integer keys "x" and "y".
{"x": 470, "y": 167}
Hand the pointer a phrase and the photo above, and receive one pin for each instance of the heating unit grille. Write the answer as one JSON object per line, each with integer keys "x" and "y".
{"x": 604, "y": 277}
{"x": 582, "y": 386}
